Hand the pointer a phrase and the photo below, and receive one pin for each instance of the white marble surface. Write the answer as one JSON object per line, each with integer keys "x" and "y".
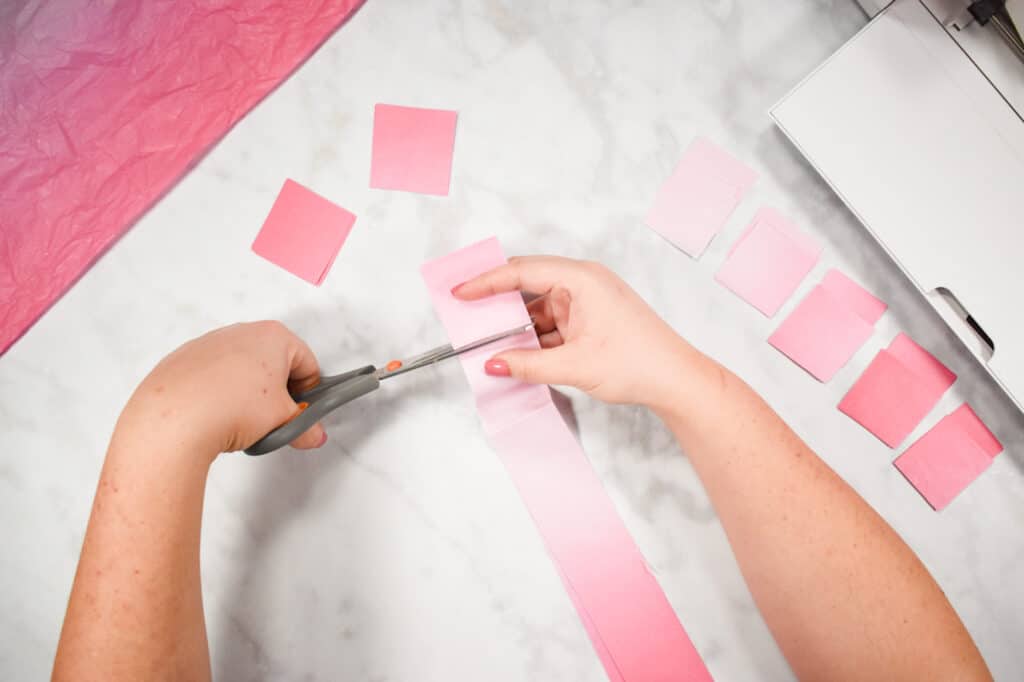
{"x": 401, "y": 552}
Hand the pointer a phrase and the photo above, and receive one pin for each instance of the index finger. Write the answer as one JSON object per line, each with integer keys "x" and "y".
{"x": 304, "y": 370}
{"x": 528, "y": 274}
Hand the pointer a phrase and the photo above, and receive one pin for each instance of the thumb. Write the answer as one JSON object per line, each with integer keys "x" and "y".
{"x": 545, "y": 366}
{"x": 314, "y": 437}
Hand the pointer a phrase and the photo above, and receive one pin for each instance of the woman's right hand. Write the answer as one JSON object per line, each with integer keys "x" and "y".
{"x": 596, "y": 333}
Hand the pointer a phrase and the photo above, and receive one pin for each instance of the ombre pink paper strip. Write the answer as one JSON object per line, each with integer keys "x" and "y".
{"x": 630, "y": 622}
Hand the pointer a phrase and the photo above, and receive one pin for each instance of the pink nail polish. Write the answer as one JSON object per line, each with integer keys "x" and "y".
{"x": 455, "y": 289}
{"x": 497, "y": 368}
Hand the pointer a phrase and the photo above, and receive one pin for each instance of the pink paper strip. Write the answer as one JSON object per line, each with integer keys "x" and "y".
{"x": 499, "y": 400}
{"x": 949, "y": 457}
{"x": 700, "y": 195}
{"x": 768, "y": 264}
{"x": 303, "y": 232}
{"x": 107, "y": 104}
{"x": 588, "y": 540}
{"x": 821, "y": 334}
{"x": 632, "y": 626}
{"x": 854, "y": 296}
{"x": 412, "y": 149}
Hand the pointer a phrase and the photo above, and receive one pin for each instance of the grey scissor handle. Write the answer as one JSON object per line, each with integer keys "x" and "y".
{"x": 330, "y": 394}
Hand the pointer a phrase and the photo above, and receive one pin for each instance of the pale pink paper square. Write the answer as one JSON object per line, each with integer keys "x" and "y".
{"x": 854, "y": 296}
{"x": 700, "y": 195}
{"x": 943, "y": 462}
{"x": 889, "y": 399}
{"x": 766, "y": 215}
{"x": 303, "y": 232}
{"x": 412, "y": 149}
{"x": 766, "y": 268}
{"x": 821, "y": 334}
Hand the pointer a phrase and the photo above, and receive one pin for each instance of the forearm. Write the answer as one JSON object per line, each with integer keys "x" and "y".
{"x": 136, "y": 607}
{"x": 843, "y": 595}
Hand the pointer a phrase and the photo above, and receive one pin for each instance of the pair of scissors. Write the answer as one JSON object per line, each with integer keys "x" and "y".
{"x": 330, "y": 393}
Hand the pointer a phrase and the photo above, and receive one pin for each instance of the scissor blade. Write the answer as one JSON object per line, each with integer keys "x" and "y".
{"x": 479, "y": 343}
{"x": 441, "y": 353}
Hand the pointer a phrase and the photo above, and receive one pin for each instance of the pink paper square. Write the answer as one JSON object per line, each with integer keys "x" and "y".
{"x": 303, "y": 232}
{"x": 766, "y": 267}
{"x": 700, "y": 195}
{"x": 821, "y": 334}
{"x": 935, "y": 375}
{"x": 966, "y": 419}
{"x": 854, "y": 296}
{"x": 943, "y": 462}
{"x": 889, "y": 399}
{"x": 412, "y": 149}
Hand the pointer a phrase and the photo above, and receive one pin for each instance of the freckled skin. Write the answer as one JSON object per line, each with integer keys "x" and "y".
{"x": 135, "y": 611}
{"x": 842, "y": 594}
{"x": 839, "y": 590}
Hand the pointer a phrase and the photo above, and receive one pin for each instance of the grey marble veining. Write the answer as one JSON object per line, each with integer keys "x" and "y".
{"x": 403, "y": 553}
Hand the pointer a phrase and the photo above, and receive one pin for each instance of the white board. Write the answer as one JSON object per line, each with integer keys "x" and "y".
{"x": 930, "y": 157}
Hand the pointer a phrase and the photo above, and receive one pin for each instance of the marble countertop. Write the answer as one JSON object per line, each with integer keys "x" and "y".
{"x": 402, "y": 552}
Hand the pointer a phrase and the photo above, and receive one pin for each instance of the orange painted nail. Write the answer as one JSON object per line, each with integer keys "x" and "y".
{"x": 393, "y": 365}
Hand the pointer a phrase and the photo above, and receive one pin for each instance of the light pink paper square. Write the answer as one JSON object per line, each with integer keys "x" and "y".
{"x": 700, "y": 195}
{"x": 889, "y": 399}
{"x": 766, "y": 267}
{"x": 854, "y": 296}
{"x": 303, "y": 232}
{"x": 412, "y": 149}
{"x": 943, "y": 462}
{"x": 821, "y": 334}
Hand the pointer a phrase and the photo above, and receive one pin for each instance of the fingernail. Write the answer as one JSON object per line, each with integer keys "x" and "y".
{"x": 323, "y": 440}
{"x": 455, "y": 289}
{"x": 497, "y": 368}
